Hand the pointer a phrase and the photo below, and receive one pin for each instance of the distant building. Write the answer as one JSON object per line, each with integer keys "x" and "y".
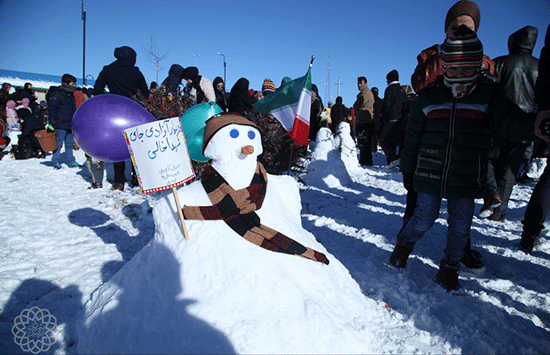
{"x": 41, "y": 83}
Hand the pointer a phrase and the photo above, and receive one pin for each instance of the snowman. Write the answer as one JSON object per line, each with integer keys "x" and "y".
{"x": 250, "y": 279}
{"x": 327, "y": 164}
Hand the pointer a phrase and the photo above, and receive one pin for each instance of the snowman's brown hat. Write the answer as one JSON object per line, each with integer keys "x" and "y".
{"x": 215, "y": 123}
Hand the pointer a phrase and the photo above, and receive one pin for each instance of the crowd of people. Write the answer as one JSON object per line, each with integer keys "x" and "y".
{"x": 464, "y": 128}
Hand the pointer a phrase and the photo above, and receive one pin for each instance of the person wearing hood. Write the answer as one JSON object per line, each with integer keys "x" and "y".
{"x": 122, "y": 77}
{"x": 240, "y": 100}
{"x": 219, "y": 90}
{"x": 62, "y": 107}
{"x": 201, "y": 88}
{"x": 517, "y": 74}
{"x": 173, "y": 80}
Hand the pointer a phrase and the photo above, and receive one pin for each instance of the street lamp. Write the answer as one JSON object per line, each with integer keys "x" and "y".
{"x": 224, "y": 68}
{"x": 84, "y": 44}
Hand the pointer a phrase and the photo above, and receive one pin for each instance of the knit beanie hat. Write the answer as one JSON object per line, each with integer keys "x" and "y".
{"x": 268, "y": 85}
{"x": 392, "y": 76}
{"x": 215, "y": 123}
{"x": 461, "y": 49}
{"x": 463, "y": 7}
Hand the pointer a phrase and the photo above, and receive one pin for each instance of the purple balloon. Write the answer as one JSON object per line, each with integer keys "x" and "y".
{"x": 98, "y": 124}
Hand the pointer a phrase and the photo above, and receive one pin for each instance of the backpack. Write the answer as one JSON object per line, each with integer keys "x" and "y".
{"x": 23, "y": 150}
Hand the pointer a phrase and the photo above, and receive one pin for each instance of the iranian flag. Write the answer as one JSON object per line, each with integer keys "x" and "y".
{"x": 291, "y": 105}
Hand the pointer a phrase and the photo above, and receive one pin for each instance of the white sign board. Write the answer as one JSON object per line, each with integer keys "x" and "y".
{"x": 159, "y": 155}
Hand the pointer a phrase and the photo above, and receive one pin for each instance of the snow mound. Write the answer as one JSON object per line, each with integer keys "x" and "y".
{"x": 218, "y": 293}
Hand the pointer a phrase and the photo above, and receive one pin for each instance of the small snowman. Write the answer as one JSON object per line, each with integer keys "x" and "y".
{"x": 236, "y": 184}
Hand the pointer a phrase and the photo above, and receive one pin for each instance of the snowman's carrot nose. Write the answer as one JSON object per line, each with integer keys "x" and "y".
{"x": 247, "y": 150}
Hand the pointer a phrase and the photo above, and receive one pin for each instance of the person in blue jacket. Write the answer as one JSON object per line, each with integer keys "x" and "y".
{"x": 62, "y": 106}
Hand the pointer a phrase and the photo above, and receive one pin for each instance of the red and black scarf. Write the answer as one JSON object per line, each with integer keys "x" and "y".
{"x": 236, "y": 208}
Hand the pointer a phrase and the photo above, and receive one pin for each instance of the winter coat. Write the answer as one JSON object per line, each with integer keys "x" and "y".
{"x": 338, "y": 114}
{"x": 61, "y": 108}
{"x": 364, "y": 106}
{"x": 517, "y": 72}
{"x": 392, "y": 105}
{"x": 542, "y": 87}
{"x": 240, "y": 100}
{"x": 202, "y": 89}
{"x": 429, "y": 67}
{"x": 122, "y": 77}
{"x": 448, "y": 140}
{"x": 174, "y": 78}
{"x": 315, "y": 118}
{"x": 11, "y": 114}
{"x": 377, "y": 108}
{"x": 31, "y": 124}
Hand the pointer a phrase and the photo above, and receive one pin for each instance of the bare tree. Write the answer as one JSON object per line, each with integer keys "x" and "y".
{"x": 154, "y": 56}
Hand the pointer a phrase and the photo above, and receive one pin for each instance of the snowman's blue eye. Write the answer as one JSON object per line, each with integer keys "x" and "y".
{"x": 251, "y": 134}
{"x": 234, "y": 133}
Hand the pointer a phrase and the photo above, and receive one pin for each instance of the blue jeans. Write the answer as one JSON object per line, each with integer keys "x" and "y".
{"x": 461, "y": 212}
{"x": 67, "y": 138}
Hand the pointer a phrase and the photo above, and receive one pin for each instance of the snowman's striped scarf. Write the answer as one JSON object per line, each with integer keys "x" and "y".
{"x": 236, "y": 208}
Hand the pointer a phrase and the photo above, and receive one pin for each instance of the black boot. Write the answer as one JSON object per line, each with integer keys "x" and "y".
{"x": 401, "y": 252}
{"x": 447, "y": 276}
{"x": 530, "y": 237}
{"x": 471, "y": 258}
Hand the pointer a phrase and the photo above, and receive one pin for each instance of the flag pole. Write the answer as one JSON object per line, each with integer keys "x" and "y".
{"x": 293, "y": 142}
{"x": 180, "y": 212}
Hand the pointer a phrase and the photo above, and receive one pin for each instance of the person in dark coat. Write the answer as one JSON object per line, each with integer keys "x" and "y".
{"x": 62, "y": 107}
{"x": 392, "y": 110}
{"x": 30, "y": 124}
{"x": 338, "y": 114}
{"x": 219, "y": 90}
{"x": 122, "y": 77}
{"x": 377, "y": 107}
{"x": 315, "y": 113}
{"x": 539, "y": 203}
{"x": 173, "y": 80}
{"x": 517, "y": 73}
{"x": 240, "y": 100}
{"x": 28, "y": 93}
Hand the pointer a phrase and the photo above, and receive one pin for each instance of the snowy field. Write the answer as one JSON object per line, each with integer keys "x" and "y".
{"x": 60, "y": 242}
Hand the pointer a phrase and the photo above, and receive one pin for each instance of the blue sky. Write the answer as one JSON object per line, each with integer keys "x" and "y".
{"x": 260, "y": 39}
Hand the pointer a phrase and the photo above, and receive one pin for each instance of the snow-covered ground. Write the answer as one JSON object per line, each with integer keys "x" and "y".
{"x": 60, "y": 242}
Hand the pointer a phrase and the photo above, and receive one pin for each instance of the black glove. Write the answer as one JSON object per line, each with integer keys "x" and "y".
{"x": 408, "y": 181}
{"x": 545, "y": 127}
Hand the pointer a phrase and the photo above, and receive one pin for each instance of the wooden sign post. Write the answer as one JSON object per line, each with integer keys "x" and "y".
{"x": 160, "y": 158}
